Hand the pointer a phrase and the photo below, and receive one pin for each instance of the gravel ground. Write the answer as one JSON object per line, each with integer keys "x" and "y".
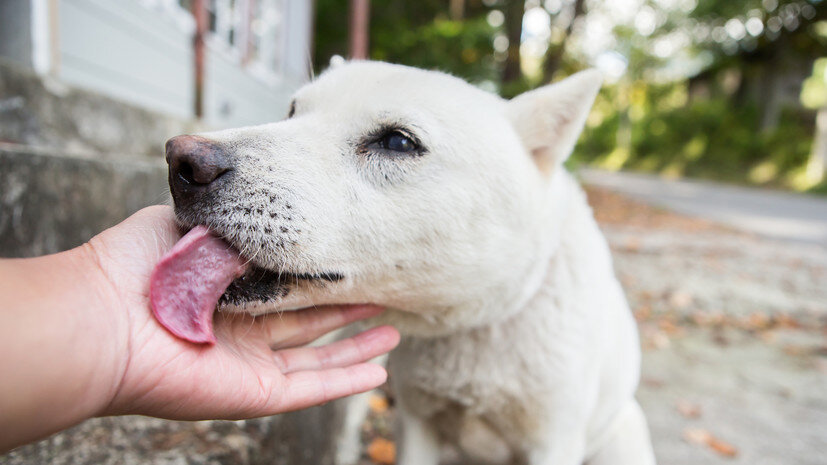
{"x": 734, "y": 365}
{"x": 733, "y": 328}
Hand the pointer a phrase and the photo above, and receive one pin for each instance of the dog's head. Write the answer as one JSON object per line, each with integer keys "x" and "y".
{"x": 390, "y": 185}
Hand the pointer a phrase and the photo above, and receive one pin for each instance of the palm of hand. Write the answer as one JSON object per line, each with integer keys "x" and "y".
{"x": 257, "y": 366}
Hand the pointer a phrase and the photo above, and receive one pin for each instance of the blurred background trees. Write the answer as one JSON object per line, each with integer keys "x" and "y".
{"x": 729, "y": 90}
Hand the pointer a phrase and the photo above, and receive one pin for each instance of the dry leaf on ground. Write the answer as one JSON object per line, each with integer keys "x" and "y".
{"x": 378, "y": 404}
{"x": 697, "y": 436}
{"x": 382, "y": 451}
{"x": 702, "y": 437}
{"x": 688, "y": 409}
{"x": 724, "y": 448}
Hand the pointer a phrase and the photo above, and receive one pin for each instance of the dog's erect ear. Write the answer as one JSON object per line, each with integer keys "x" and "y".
{"x": 336, "y": 61}
{"x": 549, "y": 119}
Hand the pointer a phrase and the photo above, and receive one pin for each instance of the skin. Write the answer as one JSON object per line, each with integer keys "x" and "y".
{"x": 78, "y": 341}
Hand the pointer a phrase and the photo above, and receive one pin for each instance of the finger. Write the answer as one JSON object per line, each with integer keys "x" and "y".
{"x": 291, "y": 329}
{"x": 360, "y": 348}
{"x": 307, "y": 388}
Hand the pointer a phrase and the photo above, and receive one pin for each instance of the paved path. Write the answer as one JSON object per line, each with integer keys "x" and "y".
{"x": 775, "y": 214}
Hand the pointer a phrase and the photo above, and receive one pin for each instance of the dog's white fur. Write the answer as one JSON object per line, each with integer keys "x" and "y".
{"x": 518, "y": 342}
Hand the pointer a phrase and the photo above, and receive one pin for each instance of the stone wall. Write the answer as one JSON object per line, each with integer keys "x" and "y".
{"x": 45, "y": 113}
{"x": 50, "y": 202}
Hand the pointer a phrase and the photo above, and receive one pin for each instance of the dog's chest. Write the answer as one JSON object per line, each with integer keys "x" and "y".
{"x": 500, "y": 376}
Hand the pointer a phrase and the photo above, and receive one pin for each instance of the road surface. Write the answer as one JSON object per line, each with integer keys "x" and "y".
{"x": 775, "y": 214}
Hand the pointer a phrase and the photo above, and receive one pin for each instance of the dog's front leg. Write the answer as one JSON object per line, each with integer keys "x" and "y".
{"x": 562, "y": 438}
{"x": 419, "y": 442}
{"x": 568, "y": 448}
{"x": 348, "y": 443}
{"x": 628, "y": 440}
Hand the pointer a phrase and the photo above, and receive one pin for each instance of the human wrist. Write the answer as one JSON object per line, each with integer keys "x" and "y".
{"x": 64, "y": 342}
{"x": 113, "y": 332}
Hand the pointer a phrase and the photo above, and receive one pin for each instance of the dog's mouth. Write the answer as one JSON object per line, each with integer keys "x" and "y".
{"x": 202, "y": 272}
{"x": 263, "y": 285}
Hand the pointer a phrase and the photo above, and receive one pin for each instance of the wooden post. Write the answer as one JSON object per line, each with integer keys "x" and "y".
{"x": 457, "y": 10}
{"x": 247, "y": 34}
{"x": 514, "y": 11}
{"x": 359, "y": 27}
{"x": 199, "y": 12}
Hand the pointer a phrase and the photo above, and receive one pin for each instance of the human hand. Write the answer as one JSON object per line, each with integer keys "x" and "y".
{"x": 80, "y": 329}
{"x": 256, "y": 367}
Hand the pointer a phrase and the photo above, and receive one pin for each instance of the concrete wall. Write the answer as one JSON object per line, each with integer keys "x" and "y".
{"x": 16, "y": 31}
{"x": 50, "y": 202}
{"x": 45, "y": 113}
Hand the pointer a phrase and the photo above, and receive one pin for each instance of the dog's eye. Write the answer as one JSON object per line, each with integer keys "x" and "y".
{"x": 292, "y": 109}
{"x": 397, "y": 142}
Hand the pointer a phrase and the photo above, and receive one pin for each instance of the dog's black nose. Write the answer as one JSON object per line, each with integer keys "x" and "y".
{"x": 195, "y": 165}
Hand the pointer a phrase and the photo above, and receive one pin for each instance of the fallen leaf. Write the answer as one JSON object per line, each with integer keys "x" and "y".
{"x": 697, "y": 436}
{"x": 757, "y": 320}
{"x": 669, "y": 327}
{"x": 643, "y": 312}
{"x": 794, "y": 350}
{"x": 382, "y": 451}
{"x": 767, "y": 336}
{"x": 659, "y": 340}
{"x": 378, "y": 404}
{"x": 724, "y": 448}
{"x": 652, "y": 382}
{"x": 633, "y": 244}
{"x": 706, "y": 318}
{"x": 688, "y": 409}
{"x": 786, "y": 321}
{"x": 680, "y": 299}
{"x": 702, "y": 437}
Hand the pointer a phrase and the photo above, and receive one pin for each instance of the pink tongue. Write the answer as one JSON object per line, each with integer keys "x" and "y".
{"x": 187, "y": 282}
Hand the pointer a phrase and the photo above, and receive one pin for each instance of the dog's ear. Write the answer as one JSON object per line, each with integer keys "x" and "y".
{"x": 336, "y": 61}
{"x": 549, "y": 119}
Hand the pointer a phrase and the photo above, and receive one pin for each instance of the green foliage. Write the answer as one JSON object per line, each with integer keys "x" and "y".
{"x": 413, "y": 33}
{"x": 814, "y": 90}
{"x": 708, "y": 139}
{"x": 463, "y": 48}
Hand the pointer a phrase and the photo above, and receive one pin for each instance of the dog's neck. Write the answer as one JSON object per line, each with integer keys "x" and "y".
{"x": 570, "y": 231}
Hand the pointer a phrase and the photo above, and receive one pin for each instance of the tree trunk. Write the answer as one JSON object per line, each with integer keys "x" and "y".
{"x": 554, "y": 54}
{"x": 359, "y": 29}
{"x": 457, "y": 10}
{"x": 514, "y": 10}
{"x": 817, "y": 165}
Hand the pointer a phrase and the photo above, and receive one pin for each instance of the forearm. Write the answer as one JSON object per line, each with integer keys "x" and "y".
{"x": 58, "y": 342}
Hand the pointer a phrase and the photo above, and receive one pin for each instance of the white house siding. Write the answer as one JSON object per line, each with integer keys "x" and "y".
{"x": 143, "y": 54}
{"x": 127, "y": 51}
{"x": 15, "y": 31}
{"x": 234, "y": 97}
{"x": 239, "y": 96}
{"x": 299, "y": 20}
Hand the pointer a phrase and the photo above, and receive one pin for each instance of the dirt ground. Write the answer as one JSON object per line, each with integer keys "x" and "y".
{"x": 733, "y": 328}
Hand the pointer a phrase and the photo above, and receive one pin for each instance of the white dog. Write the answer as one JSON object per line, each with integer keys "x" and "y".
{"x": 450, "y": 206}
